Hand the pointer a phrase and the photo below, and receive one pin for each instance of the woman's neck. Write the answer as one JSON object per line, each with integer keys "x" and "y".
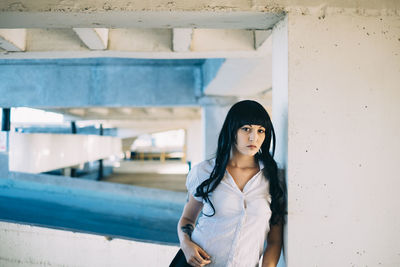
{"x": 239, "y": 160}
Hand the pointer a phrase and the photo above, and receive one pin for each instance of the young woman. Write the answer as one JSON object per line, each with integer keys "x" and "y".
{"x": 240, "y": 196}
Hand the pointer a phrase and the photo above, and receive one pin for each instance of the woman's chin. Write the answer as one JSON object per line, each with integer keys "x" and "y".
{"x": 250, "y": 153}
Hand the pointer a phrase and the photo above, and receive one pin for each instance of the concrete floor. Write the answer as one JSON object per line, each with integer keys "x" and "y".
{"x": 173, "y": 182}
{"x": 168, "y": 175}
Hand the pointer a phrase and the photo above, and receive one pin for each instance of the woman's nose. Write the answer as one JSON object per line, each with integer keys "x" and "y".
{"x": 253, "y": 136}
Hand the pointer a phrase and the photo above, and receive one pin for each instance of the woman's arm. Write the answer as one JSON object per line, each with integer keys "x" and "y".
{"x": 194, "y": 254}
{"x": 274, "y": 246}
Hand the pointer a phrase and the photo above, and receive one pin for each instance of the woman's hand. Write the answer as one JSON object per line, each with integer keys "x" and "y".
{"x": 194, "y": 254}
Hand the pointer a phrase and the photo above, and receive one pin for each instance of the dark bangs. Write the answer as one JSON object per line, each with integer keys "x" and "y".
{"x": 247, "y": 113}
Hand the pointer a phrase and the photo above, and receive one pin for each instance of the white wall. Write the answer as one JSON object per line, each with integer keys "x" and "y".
{"x": 343, "y": 139}
{"x": 25, "y": 245}
{"x": 35, "y": 153}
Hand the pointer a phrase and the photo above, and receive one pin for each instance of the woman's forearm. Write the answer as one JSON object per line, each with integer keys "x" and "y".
{"x": 272, "y": 254}
{"x": 185, "y": 229}
{"x": 187, "y": 221}
{"x": 274, "y": 246}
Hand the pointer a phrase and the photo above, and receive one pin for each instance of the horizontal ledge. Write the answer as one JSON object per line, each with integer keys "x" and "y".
{"x": 124, "y": 54}
{"x": 140, "y": 19}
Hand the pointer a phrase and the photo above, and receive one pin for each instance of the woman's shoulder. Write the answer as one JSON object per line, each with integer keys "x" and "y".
{"x": 199, "y": 173}
{"x": 205, "y": 166}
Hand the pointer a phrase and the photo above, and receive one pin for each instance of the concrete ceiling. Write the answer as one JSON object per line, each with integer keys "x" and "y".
{"x": 132, "y": 122}
{"x": 130, "y": 113}
{"x": 148, "y": 29}
{"x": 131, "y": 43}
{"x": 160, "y": 29}
{"x": 144, "y": 29}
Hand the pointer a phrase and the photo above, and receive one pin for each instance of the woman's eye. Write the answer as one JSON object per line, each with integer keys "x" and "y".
{"x": 246, "y": 129}
{"x": 261, "y": 131}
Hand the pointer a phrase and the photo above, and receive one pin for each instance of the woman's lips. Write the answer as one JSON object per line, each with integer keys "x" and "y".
{"x": 251, "y": 146}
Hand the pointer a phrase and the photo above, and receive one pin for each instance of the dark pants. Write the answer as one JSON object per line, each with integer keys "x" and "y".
{"x": 179, "y": 260}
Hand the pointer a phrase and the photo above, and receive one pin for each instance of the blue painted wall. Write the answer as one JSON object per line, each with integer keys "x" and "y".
{"x": 111, "y": 82}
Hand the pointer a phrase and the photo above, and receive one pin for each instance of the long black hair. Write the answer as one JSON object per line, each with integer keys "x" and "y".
{"x": 248, "y": 112}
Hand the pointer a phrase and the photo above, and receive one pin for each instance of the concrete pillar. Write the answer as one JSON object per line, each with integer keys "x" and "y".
{"x": 194, "y": 142}
{"x": 101, "y": 168}
{"x": 343, "y": 126}
{"x": 280, "y": 102}
{"x": 73, "y": 172}
{"x": 4, "y": 136}
{"x": 6, "y": 120}
{"x": 73, "y": 127}
{"x": 214, "y": 110}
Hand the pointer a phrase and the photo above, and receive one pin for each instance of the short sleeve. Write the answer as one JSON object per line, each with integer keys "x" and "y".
{"x": 192, "y": 182}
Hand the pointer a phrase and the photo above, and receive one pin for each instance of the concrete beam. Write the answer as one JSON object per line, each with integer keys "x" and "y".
{"x": 78, "y": 112}
{"x": 101, "y": 82}
{"x": 136, "y": 19}
{"x": 125, "y": 111}
{"x": 182, "y": 39}
{"x": 99, "y": 111}
{"x": 13, "y": 40}
{"x": 94, "y": 38}
{"x": 89, "y": 7}
{"x": 130, "y": 54}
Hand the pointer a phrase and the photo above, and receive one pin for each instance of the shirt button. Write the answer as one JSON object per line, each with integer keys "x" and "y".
{"x": 244, "y": 203}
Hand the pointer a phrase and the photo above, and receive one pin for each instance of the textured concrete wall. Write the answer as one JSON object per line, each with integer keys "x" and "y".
{"x": 343, "y": 129}
{"x": 25, "y": 245}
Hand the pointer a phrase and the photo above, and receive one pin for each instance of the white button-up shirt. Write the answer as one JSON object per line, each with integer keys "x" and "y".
{"x": 235, "y": 235}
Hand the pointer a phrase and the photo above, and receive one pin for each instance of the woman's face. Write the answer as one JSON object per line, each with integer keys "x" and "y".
{"x": 249, "y": 139}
